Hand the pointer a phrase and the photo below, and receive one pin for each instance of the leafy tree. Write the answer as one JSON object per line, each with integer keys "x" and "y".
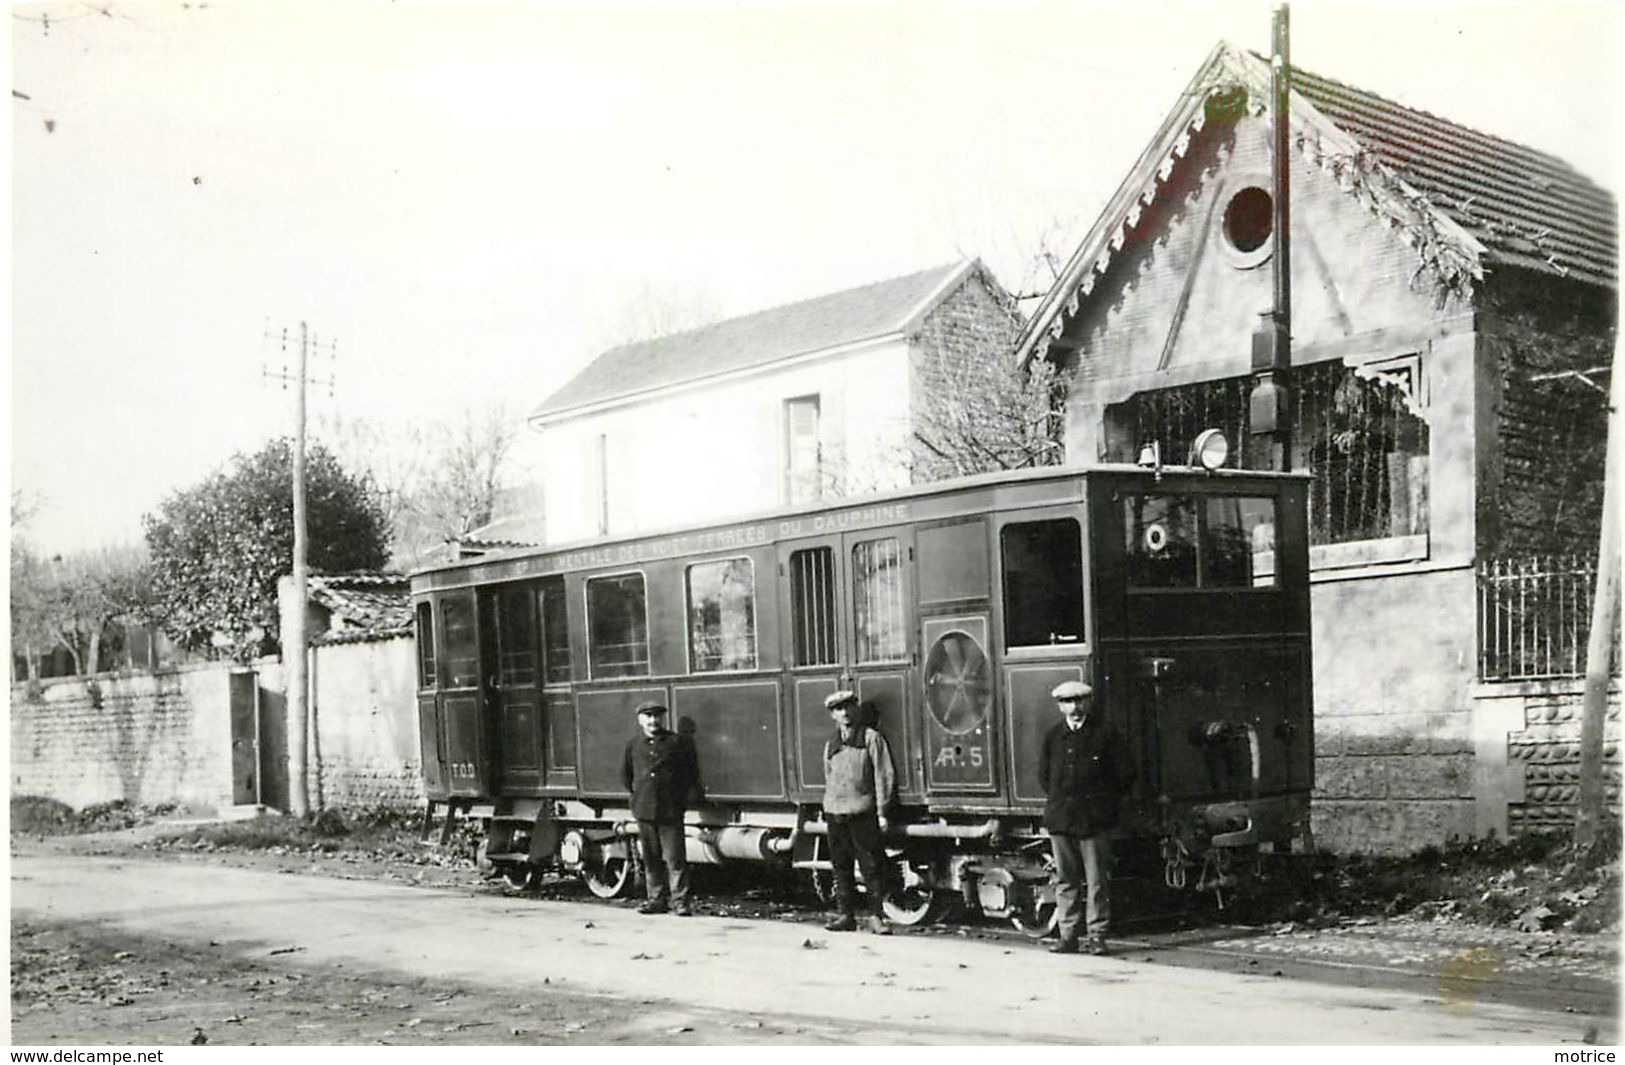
{"x": 218, "y": 547}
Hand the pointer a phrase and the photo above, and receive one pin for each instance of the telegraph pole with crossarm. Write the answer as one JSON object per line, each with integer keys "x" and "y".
{"x": 294, "y": 651}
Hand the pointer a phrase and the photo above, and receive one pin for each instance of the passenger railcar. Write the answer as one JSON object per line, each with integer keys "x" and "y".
{"x": 1181, "y": 594}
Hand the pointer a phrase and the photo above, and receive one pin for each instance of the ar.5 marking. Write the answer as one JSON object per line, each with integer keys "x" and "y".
{"x": 951, "y": 755}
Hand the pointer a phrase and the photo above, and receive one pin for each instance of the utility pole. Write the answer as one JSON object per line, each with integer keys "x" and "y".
{"x": 294, "y": 650}
{"x": 1269, "y": 406}
{"x": 1604, "y": 608}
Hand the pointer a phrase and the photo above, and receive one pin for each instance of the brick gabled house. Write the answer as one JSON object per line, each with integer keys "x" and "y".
{"x": 1453, "y": 293}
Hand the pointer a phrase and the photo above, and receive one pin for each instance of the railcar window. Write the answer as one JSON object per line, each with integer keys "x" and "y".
{"x": 1043, "y": 582}
{"x": 722, "y": 615}
{"x": 555, "y": 631}
{"x": 812, "y": 604}
{"x": 425, "y": 646}
{"x": 1161, "y": 541}
{"x": 1238, "y": 542}
{"x": 516, "y": 637}
{"x": 1193, "y": 542}
{"x": 461, "y": 649}
{"x": 617, "y": 626}
{"x": 878, "y": 628}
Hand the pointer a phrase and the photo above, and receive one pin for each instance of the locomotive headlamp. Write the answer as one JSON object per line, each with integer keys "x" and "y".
{"x": 1210, "y": 450}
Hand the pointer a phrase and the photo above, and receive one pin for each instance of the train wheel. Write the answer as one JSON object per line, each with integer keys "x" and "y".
{"x": 611, "y": 878}
{"x": 1036, "y": 914}
{"x": 519, "y": 875}
{"x": 912, "y": 901}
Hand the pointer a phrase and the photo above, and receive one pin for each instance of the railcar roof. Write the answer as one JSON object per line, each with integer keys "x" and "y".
{"x": 935, "y": 488}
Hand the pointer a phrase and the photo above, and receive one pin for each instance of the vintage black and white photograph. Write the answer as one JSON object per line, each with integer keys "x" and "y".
{"x": 813, "y": 524}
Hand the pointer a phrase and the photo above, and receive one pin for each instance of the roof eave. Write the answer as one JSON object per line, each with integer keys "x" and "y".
{"x": 544, "y": 419}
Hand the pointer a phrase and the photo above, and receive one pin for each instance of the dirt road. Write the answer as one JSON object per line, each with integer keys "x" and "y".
{"x": 633, "y": 978}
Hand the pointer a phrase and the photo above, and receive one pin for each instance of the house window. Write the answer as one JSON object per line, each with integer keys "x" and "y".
{"x": 617, "y": 626}
{"x": 1357, "y": 431}
{"x": 1043, "y": 582}
{"x": 1249, "y": 219}
{"x": 801, "y": 455}
{"x": 722, "y": 616}
{"x": 555, "y": 631}
{"x": 425, "y": 646}
{"x": 878, "y": 628}
{"x": 812, "y": 605}
{"x": 1367, "y": 454}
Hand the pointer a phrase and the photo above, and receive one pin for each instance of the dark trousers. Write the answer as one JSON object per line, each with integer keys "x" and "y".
{"x": 856, "y": 837}
{"x": 1079, "y": 859}
{"x": 665, "y": 860}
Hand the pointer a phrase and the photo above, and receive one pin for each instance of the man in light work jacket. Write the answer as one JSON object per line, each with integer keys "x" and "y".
{"x": 662, "y": 771}
{"x": 1084, "y": 772}
{"x": 860, "y": 785}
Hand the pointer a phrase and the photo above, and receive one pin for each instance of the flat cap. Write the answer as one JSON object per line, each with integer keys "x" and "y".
{"x": 651, "y": 706}
{"x": 840, "y": 698}
{"x": 1071, "y": 689}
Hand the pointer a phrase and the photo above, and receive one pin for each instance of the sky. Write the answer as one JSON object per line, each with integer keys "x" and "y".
{"x": 465, "y": 203}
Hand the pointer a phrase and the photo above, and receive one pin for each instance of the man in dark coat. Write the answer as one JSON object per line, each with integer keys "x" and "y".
{"x": 662, "y": 772}
{"x": 1084, "y": 772}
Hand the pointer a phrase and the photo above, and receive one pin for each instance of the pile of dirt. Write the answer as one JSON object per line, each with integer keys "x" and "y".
{"x": 1537, "y": 883}
{"x": 375, "y": 835}
{"x": 34, "y": 815}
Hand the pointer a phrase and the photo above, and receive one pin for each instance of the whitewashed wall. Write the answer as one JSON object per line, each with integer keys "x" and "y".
{"x": 717, "y": 450}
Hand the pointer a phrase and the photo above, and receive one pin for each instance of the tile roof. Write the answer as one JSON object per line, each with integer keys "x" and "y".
{"x": 364, "y": 606}
{"x": 1462, "y": 199}
{"x": 1529, "y": 209}
{"x": 753, "y": 340}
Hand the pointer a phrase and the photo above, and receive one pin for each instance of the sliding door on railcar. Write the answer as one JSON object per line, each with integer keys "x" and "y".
{"x": 1043, "y": 585}
{"x": 525, "y": 654}
{"x": 463, "y": 728}
{"x": 848, "y": 619}
{"x": 431, "y": 736}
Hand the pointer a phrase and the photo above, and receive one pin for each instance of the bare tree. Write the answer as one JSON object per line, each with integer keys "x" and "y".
{"x": 437, "y": 482}
{"x": 458, "y": 490}
{"x": 977, "y": 416}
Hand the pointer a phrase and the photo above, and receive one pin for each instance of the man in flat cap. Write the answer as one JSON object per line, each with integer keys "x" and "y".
{"x": 662, "y": 771}
{"x": 860, "y": 786}
{"x": 1083, "y": 769}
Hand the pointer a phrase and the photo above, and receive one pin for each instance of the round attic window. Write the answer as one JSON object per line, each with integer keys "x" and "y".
{"x": 1249, "y": 220}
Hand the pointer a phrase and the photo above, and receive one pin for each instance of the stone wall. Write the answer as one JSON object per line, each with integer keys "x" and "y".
{"x": 1529, "y": 752}
{"x": 364, "y": 710}
{"x": 143, "y": 737}
{"x": 151, "y": 738}
{"x": 1394, "y": 751}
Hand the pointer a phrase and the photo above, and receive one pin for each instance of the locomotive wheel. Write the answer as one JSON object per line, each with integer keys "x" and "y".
{"x": 519, "y": 875}
{"x": 912, "y": 901}
{"x": 613, "y": 878}
{"x": 1036, "y": 913}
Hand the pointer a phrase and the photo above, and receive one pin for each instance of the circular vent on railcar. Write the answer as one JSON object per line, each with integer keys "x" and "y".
{"x": 958, "y": 682}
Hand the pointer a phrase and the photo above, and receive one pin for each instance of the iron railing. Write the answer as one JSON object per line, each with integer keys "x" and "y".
{"x": 1534, "y": 616}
